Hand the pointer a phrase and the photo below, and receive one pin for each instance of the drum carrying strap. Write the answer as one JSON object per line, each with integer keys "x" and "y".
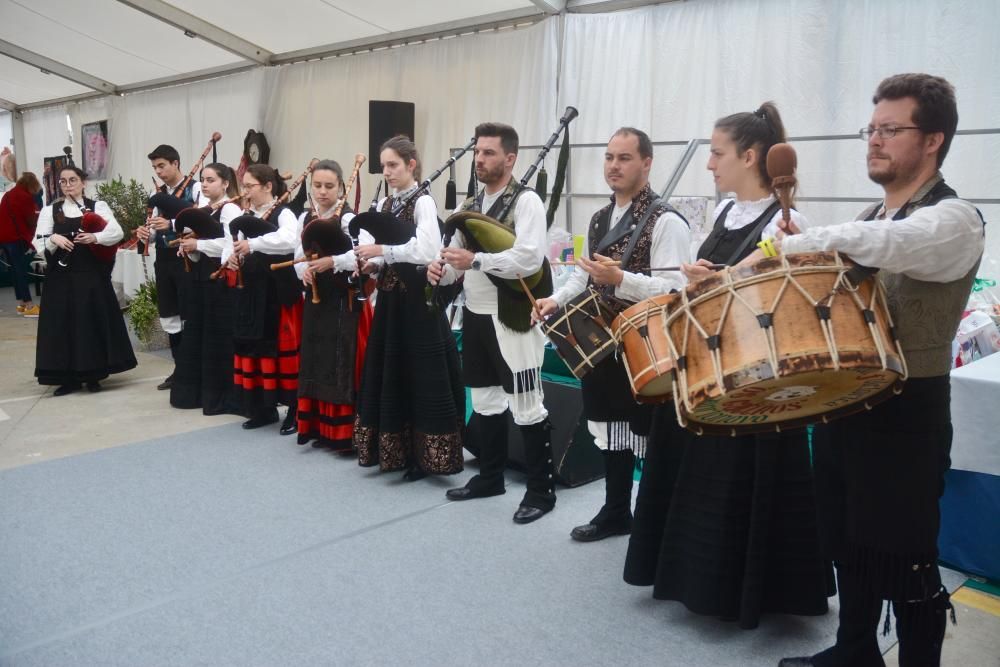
{"x": 758, "y": 229}
{"x": 612, "y": 235}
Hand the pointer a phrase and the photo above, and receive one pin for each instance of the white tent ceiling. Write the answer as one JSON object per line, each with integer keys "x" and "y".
{"x": 56, "y": 49}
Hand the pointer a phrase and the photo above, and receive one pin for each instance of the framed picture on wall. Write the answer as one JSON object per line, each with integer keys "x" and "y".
{"x": 94, "y": 137}
{"x": 50, "y": 177}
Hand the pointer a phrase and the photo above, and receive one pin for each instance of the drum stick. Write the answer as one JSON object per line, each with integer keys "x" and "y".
{"x": 531, "y": 297}
{"x": 614, "y": 262}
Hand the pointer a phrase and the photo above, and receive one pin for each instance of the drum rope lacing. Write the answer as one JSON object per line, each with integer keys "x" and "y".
{"x": 765, "y": 320}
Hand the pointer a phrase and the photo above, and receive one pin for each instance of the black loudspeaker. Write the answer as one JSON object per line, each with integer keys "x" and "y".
{"x": 386, "y": 120}
{"x": 576, "y": 458}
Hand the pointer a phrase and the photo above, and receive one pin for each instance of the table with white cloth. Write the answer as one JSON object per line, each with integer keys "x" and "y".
{"x": 970, "y": 507}
{"x": 127, "y": 274}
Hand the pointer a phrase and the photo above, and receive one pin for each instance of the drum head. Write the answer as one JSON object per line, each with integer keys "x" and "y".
{"x": 789, "y": 402}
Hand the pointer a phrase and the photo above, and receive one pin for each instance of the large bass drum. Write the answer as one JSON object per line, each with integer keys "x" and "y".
{"x": 781, "y": 343}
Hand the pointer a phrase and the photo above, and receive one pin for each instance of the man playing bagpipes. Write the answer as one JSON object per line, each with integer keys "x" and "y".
{"x": 501, "y": 353}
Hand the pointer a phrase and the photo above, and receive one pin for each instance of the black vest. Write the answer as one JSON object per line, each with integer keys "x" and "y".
{"x": 722, "y": 243}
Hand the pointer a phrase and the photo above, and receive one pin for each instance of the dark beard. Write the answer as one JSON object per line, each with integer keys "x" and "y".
{"x": 490, "y": 177}
{"x": 883, "y": 177}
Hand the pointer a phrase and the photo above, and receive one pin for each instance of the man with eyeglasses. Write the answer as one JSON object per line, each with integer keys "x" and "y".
{"x": 171, "y": 279}
{"x": 880, "y": 473}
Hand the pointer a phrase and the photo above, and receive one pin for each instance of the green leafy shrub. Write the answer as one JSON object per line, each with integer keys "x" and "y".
{"x": 127, "y": 201}
{"x": 142, "y": 312}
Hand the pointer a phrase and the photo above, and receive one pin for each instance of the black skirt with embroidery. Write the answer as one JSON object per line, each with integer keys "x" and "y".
{"x": 411, "y": 405}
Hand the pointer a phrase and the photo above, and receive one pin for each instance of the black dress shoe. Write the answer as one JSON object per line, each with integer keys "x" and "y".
{"x": 591, "y": 532}
{"x": 66, "y": 389}
{"x": 526, "y": 514}
{"x": 466, "y": 493}
{"x": 414, "y": 473}
{"x": 257, "y": 422}
{"x": 795, "y": 662}
{"x": 291, "y": 423}
{"x": 93, "y": 387}
{"x": 167, "y": 383}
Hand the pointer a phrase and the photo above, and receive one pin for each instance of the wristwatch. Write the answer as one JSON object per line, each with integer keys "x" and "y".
{"x": 476, "y": 263}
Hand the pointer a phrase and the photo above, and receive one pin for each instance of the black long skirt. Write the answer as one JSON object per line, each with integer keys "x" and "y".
{"x": 728, "y": 526}
{"x": 81, "y": 331}
{"x": 411, "y": 407}
{"x": 204, "y": 362}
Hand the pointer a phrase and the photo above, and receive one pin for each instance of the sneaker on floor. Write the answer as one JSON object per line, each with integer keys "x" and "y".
{"x": 32, "y": 311}
{"x": 20, "y": 308}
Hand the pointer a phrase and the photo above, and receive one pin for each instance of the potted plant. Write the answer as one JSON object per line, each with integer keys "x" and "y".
{"x": 128, "y": 202}
{"x": 145, "y": 319}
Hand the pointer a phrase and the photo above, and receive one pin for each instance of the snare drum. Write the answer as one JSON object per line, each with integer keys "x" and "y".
{"x": 640, "y": 332}
{"x": 781, "y": 343}
{"x": 580, "y": 332}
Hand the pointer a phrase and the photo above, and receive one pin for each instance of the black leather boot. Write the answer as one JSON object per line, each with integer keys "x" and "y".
{"x": 490, "y": 431}
{"x": 290, "y": 425}
{"x": 857, "y": 642}
{"x": 920, "y": 627}
{"x": 540, "y": 497}
{"x": 175, "y": 345}
{"x": 615, "y": 518}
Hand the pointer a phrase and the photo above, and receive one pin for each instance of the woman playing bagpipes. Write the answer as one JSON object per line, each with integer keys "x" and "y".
{"x": 81, "y": 333}
{"x": 411, "y": 407}
{"x": 268, "y": 317}
{"x": 335, "y": 322}
{"x": 204, "y": 374}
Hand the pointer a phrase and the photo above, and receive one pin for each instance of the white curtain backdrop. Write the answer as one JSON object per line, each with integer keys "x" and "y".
{"x": 184, "y": 117}
{"x": 45, "y": 134}
{"x": 670, "y": 69}
{"x": 320, "y": 109}
{"x": 673, "y": 69}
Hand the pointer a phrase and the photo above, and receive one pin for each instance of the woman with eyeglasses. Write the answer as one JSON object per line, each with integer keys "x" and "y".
{"x": 82, "y": 337}
{"x": 268, "y": 315}
{"x": 727, "y": 525}
{"x": 204, "y": 374}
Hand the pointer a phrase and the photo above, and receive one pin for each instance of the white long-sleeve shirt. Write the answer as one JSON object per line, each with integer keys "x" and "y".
{"x": 671, "y": 246}
{"x": 280, "y": 242}
{"x": 342, "y": 262}
{"x": 522, "y": 259}
{"x": 937, "y": 243}
{"x": 214, "y": 247}
{"x": 426, "y": 245}
{"x": 110, "y": 235}
{"x": 745, "y": 212}
{"x": 195, "y": 194}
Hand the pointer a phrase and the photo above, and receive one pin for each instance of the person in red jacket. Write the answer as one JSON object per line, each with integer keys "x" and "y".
{"x": 18, "y": 216}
